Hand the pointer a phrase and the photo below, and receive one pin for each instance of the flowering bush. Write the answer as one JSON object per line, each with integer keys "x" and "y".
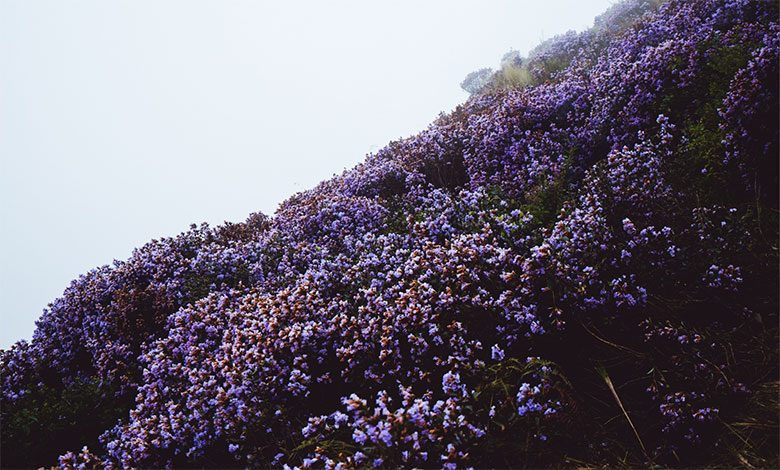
{"x": 579, "y": 272}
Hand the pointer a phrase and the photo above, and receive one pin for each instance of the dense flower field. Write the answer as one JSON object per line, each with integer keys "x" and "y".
{"x": 583, "y": 271}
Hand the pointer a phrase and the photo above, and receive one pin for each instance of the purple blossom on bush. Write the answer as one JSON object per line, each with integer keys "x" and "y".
{"x": 429, "y": 306}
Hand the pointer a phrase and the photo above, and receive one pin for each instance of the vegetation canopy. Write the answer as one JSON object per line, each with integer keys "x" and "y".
{"x": 578, "y": 267}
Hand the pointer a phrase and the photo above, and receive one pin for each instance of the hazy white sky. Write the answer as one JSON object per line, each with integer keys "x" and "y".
{"x": 124, "y": 121}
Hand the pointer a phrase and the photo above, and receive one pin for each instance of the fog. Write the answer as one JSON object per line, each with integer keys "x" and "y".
{"x": 125, "y": 121}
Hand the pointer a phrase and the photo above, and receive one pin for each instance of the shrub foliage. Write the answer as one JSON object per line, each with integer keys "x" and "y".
{"x": 576, "y": 268}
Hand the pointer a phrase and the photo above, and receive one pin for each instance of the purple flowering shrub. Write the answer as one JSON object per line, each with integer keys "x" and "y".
{"x": 580, "y": 272}
{"x": 750, "y": 119}
{"x": 517, "y": 401}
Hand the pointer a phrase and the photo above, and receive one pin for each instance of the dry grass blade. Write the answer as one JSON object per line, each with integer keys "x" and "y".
{"x": 603, "y": 373}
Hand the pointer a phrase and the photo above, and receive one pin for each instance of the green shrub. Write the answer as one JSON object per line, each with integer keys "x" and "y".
{"x": 41, "y": 424}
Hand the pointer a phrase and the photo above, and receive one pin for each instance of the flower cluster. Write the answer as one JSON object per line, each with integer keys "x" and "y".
{"x": 443, "y": 303}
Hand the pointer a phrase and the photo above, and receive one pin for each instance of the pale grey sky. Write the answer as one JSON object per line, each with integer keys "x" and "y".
{"x": 124, "y": 121}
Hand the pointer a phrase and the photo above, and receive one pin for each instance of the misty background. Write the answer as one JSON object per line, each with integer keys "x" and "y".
{"x": 125, "y": 121}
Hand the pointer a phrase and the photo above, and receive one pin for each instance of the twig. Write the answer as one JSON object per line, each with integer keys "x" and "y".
{"x": 622, "y": 348}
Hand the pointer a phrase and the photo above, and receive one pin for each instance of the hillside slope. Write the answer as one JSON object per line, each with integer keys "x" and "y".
{"x": 579, "y": 272}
